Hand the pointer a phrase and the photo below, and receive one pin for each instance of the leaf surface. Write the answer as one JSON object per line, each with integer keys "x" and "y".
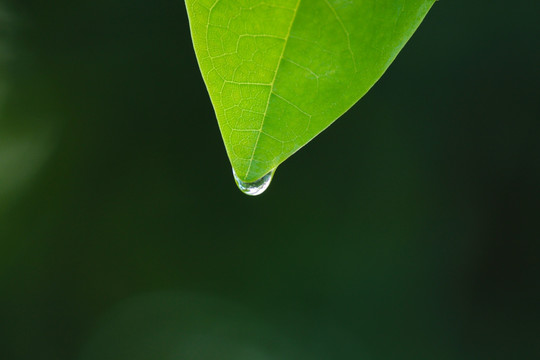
{"x": 280, "y": 71}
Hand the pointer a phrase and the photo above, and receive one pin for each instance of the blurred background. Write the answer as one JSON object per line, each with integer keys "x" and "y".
{"x": 408, "y": 230}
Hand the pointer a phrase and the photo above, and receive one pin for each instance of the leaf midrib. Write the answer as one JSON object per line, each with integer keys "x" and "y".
{"x": 259, "y": 131}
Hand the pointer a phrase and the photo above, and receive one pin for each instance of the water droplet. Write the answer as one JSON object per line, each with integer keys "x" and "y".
{"x": 256, "y": 187}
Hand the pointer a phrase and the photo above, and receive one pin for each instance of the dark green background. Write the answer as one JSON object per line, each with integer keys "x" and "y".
{"x": 408, "y": 230}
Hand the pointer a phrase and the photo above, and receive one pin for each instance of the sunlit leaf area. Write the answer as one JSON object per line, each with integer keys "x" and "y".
{"x": 408, "y": 229}
{"x": 281, "y": 71}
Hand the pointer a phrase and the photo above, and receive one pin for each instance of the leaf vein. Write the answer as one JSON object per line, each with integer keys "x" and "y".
{"x": 272, "y": 87}
{"x": 340, "y": 21}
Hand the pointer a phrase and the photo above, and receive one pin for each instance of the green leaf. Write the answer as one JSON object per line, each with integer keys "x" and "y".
{"x": 280, "y": 71}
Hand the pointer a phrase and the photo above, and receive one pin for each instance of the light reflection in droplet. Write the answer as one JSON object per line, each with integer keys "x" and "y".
{"x": 256, "y": 187}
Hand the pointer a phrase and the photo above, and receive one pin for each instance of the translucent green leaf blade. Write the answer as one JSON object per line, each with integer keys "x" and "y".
{"x": 280, "y": 71}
